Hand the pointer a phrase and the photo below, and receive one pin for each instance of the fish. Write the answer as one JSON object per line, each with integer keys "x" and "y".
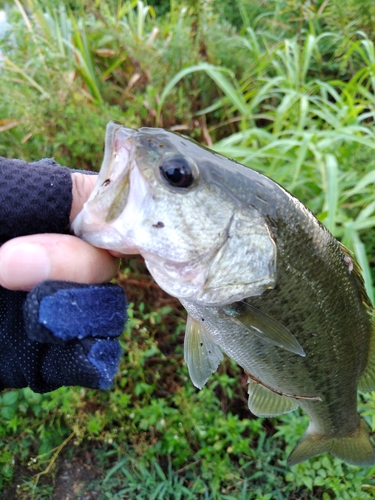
{"x": 262, "y": 280}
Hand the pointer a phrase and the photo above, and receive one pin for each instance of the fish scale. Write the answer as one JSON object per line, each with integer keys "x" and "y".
{"x": 261, "y": 278}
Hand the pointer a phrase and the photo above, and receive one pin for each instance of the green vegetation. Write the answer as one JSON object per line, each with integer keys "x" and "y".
{"x": 287, "y": 87}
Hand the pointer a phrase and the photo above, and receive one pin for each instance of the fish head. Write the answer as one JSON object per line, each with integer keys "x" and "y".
{"x": 160, "y": 195}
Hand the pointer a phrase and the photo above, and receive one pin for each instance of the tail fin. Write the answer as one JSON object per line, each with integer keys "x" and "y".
{"x": 355, "y": 449}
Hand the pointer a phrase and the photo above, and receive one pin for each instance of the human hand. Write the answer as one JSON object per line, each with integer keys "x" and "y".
{"x": 28, "y": 260}
{"x": 62, "y": 332}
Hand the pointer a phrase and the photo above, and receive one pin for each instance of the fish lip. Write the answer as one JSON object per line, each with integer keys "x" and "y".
{"x": 118, "y": 140}
{"x": 123, "y": 146}
{"x": 108, "y": 239}
{"x": 125, "y": 142}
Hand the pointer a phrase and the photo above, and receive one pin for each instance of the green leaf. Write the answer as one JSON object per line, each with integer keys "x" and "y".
{"x": 9, "y": 398}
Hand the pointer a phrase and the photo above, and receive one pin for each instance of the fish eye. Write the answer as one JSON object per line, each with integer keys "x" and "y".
{"x": 177, "y": 171}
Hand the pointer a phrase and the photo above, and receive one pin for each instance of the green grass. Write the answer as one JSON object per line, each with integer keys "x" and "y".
{"x": 286, "y": 88}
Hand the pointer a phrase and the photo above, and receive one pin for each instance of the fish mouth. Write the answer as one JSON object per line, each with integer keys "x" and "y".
{"x": 110, "y": 194}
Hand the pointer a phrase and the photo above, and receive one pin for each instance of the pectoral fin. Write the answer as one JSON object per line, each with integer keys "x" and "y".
{"x": 265, "y": 403}
{"x": 201, "y": 353}
{"x": 262, "y": 325}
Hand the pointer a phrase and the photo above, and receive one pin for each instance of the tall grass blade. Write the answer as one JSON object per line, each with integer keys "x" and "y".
{"x": 307, "y": 53}
{"x": 303, "y": 149}
{"x": 114, "y": 469}
{"x": 360, "y": 253}
{"x": 86, "y": 65}
{"x": 11, "y": 66}
{"x": 217, "y": 74}
{"x": 332, "y": 194}
{"x": 365, "y": 184}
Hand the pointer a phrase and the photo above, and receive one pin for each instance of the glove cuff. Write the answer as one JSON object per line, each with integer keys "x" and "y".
{"x": 58, "y": 311}
{"x": 76, "y": 327}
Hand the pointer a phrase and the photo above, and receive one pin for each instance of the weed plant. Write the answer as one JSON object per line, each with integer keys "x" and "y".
{"x": 287, "y": 88}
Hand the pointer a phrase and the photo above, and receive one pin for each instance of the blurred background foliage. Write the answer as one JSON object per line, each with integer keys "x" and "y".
{"x": 285, "y": 87}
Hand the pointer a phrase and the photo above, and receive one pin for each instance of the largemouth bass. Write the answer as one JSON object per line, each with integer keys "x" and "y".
{"x": 261, "y": 278}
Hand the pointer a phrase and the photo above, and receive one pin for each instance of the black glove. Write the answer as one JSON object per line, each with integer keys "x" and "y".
{"x": 60, "y": 333}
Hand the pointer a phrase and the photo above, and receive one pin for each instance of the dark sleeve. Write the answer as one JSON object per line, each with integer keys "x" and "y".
{"x": 34, "y": 198}
{"x": 55, "y": 335}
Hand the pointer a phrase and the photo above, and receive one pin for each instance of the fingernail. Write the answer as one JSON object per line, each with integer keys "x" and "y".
{"x": 24, "y": 266}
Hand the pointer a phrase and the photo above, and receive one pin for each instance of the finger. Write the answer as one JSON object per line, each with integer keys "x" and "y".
{"x": 28, "y": 260}
{"x": 82, "y": 186}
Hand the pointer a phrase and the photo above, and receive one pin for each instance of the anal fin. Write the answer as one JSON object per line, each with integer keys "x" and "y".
{"x": 265, "y": 403}
{"x": 201, "y": 353}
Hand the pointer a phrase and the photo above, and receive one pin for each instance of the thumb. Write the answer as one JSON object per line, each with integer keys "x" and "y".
{"x": 29, "y": 260}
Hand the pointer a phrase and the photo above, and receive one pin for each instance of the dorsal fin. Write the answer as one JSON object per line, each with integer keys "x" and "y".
{"x": 355, "y": 269}
{"x": 367, "y": 380}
